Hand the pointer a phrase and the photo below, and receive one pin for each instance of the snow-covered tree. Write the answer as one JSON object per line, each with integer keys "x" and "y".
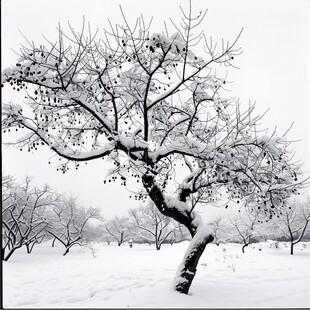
{"x": 153, "y": 103}
{"x": 69, "y": 222}
{"x": 220, "y": 229}
{"x": 267, "y": 230}
{"x": 23, "y": 216}
{"x": 244, "y": 224}
{"x": 293, "y": 222}
{"x": 151, "y": 225}
{"x": 118, "y": 229}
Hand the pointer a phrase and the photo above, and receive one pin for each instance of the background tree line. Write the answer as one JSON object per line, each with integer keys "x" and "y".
{"x": 32, "y": 215}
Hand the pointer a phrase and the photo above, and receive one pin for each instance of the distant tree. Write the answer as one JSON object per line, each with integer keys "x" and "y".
{"x": 220, "y": 229}
{"x": 69, "y": 222}
{"x": 151, "y": 104}
{"x": 245, "y": 225}
{"x": 268, "y": 230}
{"x": 151, "y": 225}
{"x": 23, "y": 216}
{"x": 180, "y": 233}
{"x": 117, "y": 229}
{"x": 293, "y": 222}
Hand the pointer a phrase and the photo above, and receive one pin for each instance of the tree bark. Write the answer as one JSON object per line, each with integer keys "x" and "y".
{"x": 187, "y": 270}
{"x": 3, "y": 254}
{"x": 292, "y": 248}
{"x": 155, "y": 193}
{"x": 244, "y": 246}
{"x": 66, "y": 251}
{"x": 28, "y": 248}
{"x": 157, "y": 243}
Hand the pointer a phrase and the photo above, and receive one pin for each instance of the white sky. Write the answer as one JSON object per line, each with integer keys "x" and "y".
{"x": 274, "y": 71}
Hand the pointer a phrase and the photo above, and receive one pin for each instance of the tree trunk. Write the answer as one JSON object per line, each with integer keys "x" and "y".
{"x": 66, "y": 251}
{"x": 157, "y": 243}
{"x": 244, "y": 246}
{"x": 184, "y": 217}
{"x": 187, "y": 270}
{"x": 292, "y": 248}
{"x": 191, "y": 220}
{"x": 28, "y": 248}
{"x": 3, "y": 254}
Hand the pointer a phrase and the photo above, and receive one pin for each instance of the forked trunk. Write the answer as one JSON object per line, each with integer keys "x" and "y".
{"x": 179, "y": 211}
{"x": 30, "y": 246}
{"x": 157, "y": 244}
{"x": 187, "y": 270}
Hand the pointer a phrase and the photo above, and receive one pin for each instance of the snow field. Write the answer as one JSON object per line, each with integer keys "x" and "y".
{"x": 112, "y": 276}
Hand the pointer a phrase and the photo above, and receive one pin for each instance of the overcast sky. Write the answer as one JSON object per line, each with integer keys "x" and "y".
{"x": 274, "y": 71}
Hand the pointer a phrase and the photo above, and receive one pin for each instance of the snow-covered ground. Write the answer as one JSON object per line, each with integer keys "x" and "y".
{"x": 142, "y": 277}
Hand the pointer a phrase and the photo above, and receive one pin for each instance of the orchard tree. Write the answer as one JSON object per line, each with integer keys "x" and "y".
{"x": 244, "y": 225}
{"x": 69, "y": 222}
{"x": 155, "y": 104}
{"x": 23, "y": 216}
{"x": 118, "y": 229}
{"x": 220, "y": 229}
{"x": 293, "y": 222}
{"x": 151, "y": 225}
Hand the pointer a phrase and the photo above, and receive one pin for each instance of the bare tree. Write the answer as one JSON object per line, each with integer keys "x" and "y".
{"x": 268, "y": 230}
{"x": 118, "y": 230}
{"x": 23, "y": 218}
{"x": 180, "y": 233}
{"x": 220, "y": 229}
{"x": 152, "y": 225}
{"x": 68, "y": 222}
{"x": 245, "y": 226}
{"x": 152, "y": 104}
{"x": 293, "y": 222}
